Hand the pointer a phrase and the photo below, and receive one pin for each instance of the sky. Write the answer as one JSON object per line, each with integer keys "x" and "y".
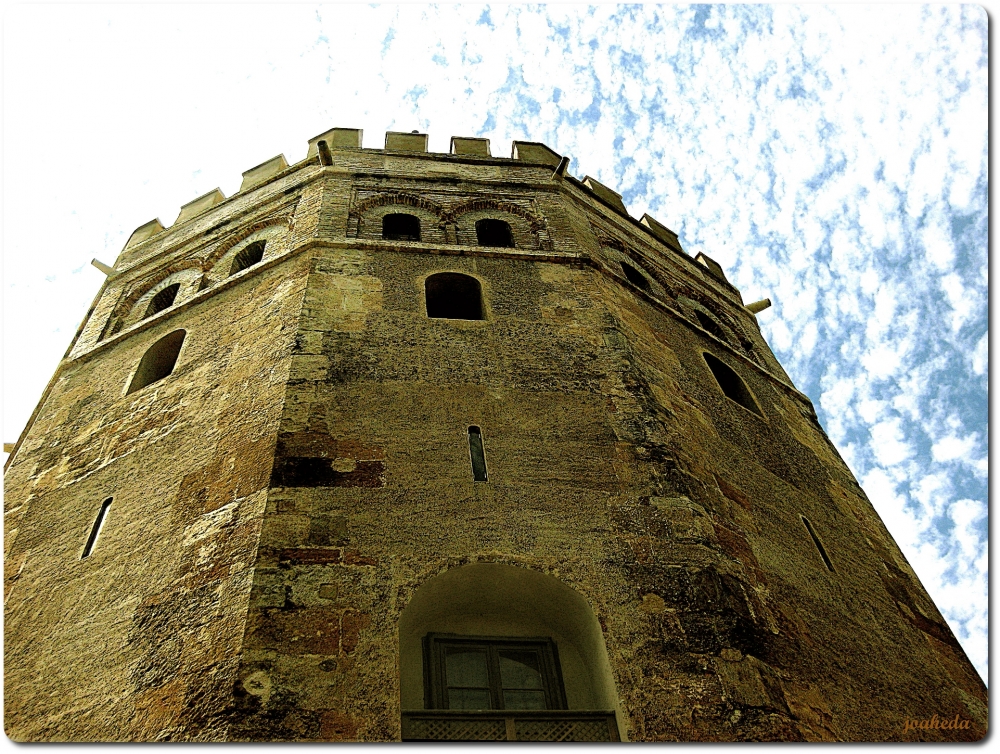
{"x": 833, "y": 159}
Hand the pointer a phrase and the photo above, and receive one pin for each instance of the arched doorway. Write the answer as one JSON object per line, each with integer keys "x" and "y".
{"x": 528, "y": 660}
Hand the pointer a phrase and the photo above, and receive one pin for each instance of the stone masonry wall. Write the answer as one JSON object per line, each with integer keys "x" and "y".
{"x": 746, "y": 634}
{"x": 616, "y": 462}
{"x": 140, "y": 640}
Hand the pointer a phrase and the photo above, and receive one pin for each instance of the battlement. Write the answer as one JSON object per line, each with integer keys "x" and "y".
{"x": 323, "y": 148}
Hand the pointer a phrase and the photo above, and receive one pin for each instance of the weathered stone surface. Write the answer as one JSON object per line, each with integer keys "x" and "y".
{"x": 284, "y": 496}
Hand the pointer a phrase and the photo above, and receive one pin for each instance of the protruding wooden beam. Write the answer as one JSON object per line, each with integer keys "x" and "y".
{"x": 323, "y": 149}
{"x": 758, "y": 306}
{"x": 560, "y": 172}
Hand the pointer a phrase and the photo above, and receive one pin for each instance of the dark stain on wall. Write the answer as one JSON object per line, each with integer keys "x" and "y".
{"x": 314, "y": 459}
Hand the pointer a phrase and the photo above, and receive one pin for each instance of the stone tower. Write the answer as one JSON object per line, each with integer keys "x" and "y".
{"x": 397, "y": 444}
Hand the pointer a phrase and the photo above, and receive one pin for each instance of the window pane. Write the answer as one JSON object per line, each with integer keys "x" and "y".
{"x": 523, "y": 699}
{"x": 519, "y": 670}
{"x": 472, "y": 699}
{"x": 467, "y": 667}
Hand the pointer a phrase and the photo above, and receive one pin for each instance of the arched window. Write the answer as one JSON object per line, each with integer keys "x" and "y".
{"x": 451, "y": 295}
{"x": 494, "y": 233}
{"x": 400, "y": 227}
{"x": 732, "y": 384}
{"x": 248, "y": 256}
{"x": 710, "y": 324}
{"x": 162, "y": 300}
{"x": 483, "y": 646}
{"x": 158, "y": 361}
{"x": 635, "y": 277}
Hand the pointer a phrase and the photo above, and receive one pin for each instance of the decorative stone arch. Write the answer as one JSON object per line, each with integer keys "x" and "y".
{"x": 399, "y": 198}
{"x": 273, "y": 232}
{"x": 501, "y": 205}
{"x": 284, "y": 223}
{"x": 612, "y": 243}
{"x": 365, "y": 218}
{"x": 132, "y": 307}
{"x": 500, "y": 600}
{"x": 706, "y": 317}
{"x": 622, "y": 254}
{"x": 528, "y": 228}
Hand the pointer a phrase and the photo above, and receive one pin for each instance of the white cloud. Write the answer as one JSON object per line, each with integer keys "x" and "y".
{"x": 889, "y": 444}
{"x": 938, "y": 243}
{"x": 980, "y": 356}
{"x": 952, "y": 447}
{"x": 962, "y": 301}
{"x": 891, "y": 507}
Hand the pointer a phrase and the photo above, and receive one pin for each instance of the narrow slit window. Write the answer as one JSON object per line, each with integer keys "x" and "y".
{"x": 819, "y": 545}
{"x": 163, "y": 300}
{"x": 635, "y": 277}
{"x": 494, "y": 233}
{"x": 451, "y": 295}
{"x": 96, "y": 529}
{"x": 478, "y": 454}
{"x": 248, "y": 257}
{"x": 732, "y": 384}
{"x": 400, "y": 227}
{"x": 158, "y": 361}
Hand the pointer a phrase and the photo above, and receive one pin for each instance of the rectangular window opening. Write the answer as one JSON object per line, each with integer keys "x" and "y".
{"x": 478, "y": 454}
{"x": 819, "y": 545}
{"x": 96, "y": 530}
{"x": 492, "y": 673}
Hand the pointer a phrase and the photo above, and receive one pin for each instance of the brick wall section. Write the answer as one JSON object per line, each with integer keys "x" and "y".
{"x": 306, "y": 221}
{"x": 336, "y": 205}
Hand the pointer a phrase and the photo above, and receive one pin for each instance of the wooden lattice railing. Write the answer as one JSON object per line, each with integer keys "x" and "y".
{"x": 509, "y": 725}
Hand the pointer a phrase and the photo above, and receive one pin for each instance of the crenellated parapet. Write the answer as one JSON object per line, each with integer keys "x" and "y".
{"x": 322, "y": 151}
{"x": 342, "y": 193}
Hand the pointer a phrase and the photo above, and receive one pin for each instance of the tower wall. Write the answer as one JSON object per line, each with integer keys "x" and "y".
{"x": 141, "y": 639}
{"x": 287, "y": 492}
